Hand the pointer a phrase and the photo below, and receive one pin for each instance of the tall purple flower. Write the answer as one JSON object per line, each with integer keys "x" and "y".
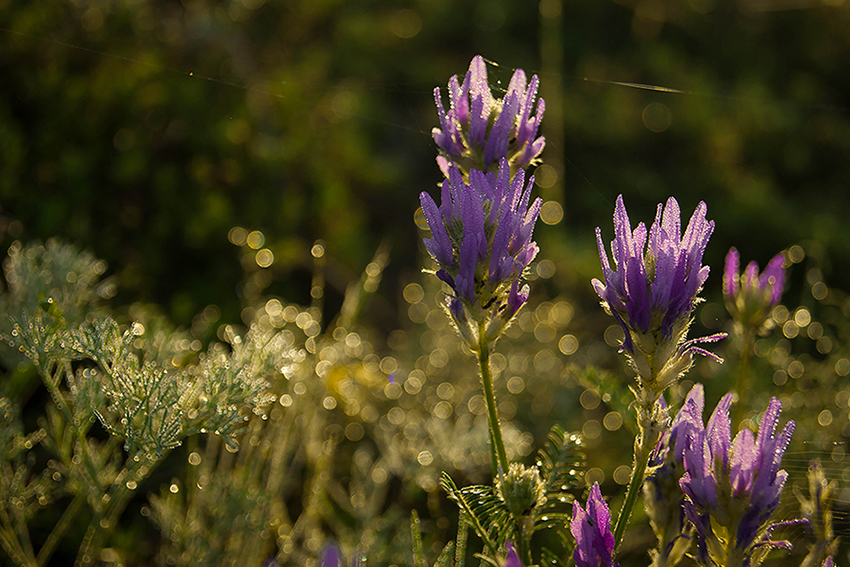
{"x": 750, "y": 296}
{"x": 651, "y": 290}
{"x": 591, "y": 529}
{"x": 481, "y": 240}
{"x": 479, "y": 130}
{"x": 733, "y": 487}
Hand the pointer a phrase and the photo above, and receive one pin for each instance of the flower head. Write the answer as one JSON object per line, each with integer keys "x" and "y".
{"x": 479, "y": 130}
{"x": 481, "y": 240}
{"x": 652, "y": 289}
{"x": 591, "y": 529}
{"x": 733, "y": 487}
{"x": 750, "y": 296}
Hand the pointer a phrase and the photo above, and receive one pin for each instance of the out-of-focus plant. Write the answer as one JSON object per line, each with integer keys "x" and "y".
{"x": 98, "y": 373}
{"x": 750, "y": 297}
{"x": 817, "y": 508}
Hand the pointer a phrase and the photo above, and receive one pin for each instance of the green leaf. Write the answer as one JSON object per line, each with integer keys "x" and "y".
{"x": 484, "y": 511}
{"x": 561, "y": 463}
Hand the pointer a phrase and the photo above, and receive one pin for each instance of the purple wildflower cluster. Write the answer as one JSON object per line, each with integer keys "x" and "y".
{"x": 482, "y": 229}
{"x": 750, "y": 296}
{"x": 733, "y": 487}
{"x": 591, "y": 529}
{"x": 652, "y": 290}
{"x": 478, "y": 130}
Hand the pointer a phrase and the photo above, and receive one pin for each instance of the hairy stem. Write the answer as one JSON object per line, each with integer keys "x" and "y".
{"x": 643, "y": 446}
{"x": 492, "y": 412}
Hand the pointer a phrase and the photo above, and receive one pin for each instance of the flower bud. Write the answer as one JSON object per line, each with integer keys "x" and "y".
{"x": 521, "y": 489}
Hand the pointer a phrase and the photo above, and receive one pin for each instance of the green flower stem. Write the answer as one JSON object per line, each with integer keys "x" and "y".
{"x": 643, "y": 446}
{"x": 525, "y": 528}
{"x": 743, "y": 374}
{"x": 489, "y": 397}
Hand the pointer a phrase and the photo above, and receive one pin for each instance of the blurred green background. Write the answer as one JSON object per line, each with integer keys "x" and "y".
{"x": 202, "y": 148}
{"x": 145, "y": 131}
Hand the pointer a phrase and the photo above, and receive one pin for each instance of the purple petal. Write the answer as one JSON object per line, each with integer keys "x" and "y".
{"x": 719, "y": 431}
{"x": 331, "y": 557}
{"x": 481, "y": 101}
{"x": 439, "y": 246}
{"x": 497, "y": 140}
{"x": 638, "y": 306}
{"x": 512, "y": 559}
{"x": 774, "y": 277}
{"x": 743, "y": 463}
{"x": 516, "y": 298}
{"x": 750, "y": 279}
{"x": 466, "y": 274}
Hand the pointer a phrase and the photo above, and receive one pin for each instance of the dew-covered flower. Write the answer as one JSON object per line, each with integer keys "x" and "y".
{"x": 481, "y": 239}
{"x": 652, "y": 289}
{"x": 591, "y": 529}
{"x": 478, "y": 130}
{"x": 733, "y": 487}
{"x": 750, "y": 296}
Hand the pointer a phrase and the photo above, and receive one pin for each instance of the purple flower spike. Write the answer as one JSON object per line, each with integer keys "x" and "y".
{"x": 481, "y": 238}
{"x": 749, "y": 296}
{"x": 477, "y": 130}
{"x": 651, "y": 289}
{"x": 592, "y": 532}
{"x": 733, "y": 488}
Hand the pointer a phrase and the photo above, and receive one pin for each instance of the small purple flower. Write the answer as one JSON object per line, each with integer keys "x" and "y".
{"x": 592, "y": 532}
{"x": 750, "y": 296}
{"x": 652, "y": 290}
{"x": 481, "y": 239}
{"x": 479, "y": 130}
{"x": 733, "y": 487}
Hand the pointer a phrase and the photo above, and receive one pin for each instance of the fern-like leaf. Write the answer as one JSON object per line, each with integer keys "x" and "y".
{"x": 484, "y": 511}
{"x": 560, "y": 464}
